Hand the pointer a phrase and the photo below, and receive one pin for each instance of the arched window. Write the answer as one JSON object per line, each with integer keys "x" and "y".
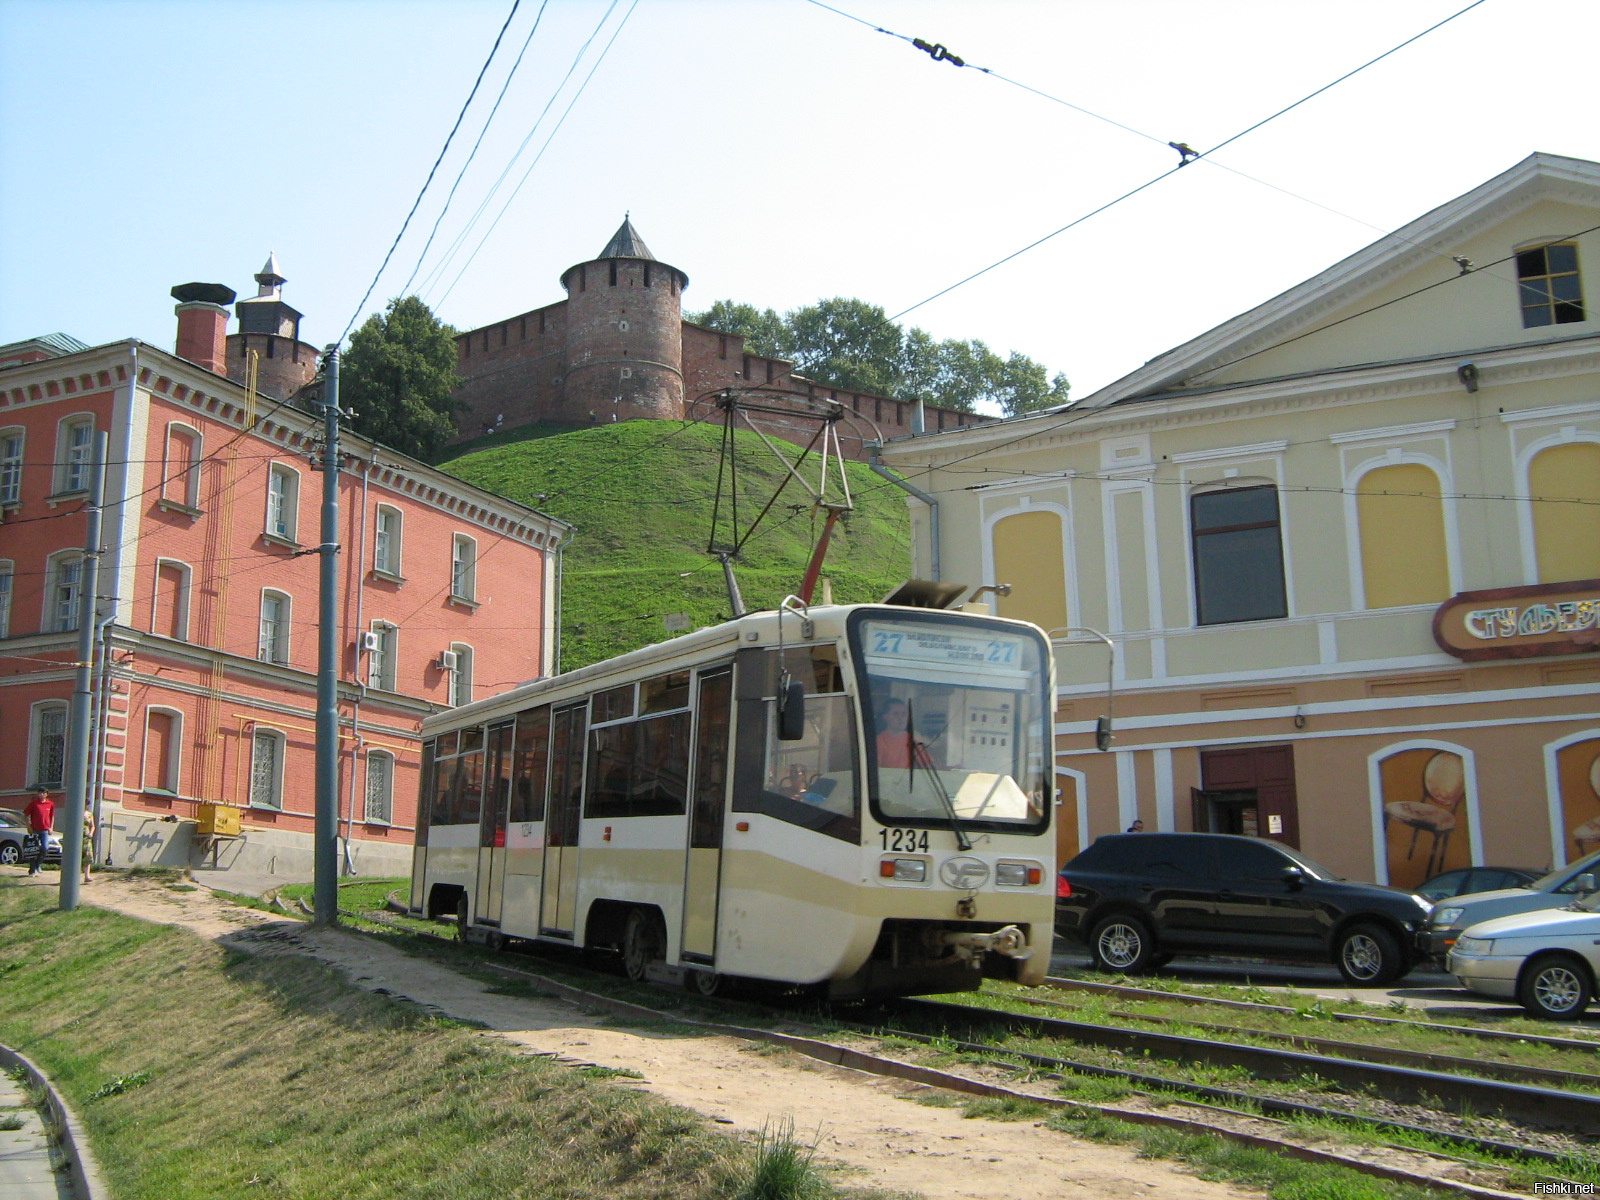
{"x": 74, "y": 445}
{"x": 7, "y": 571}
{"x": 1028, "y": 555}
{"x": 383, "y": 647}
{"x": 1566, "y": 536}
{"x": 283, "y": 503}
{"x": 48, "y": 744}
{"x": 1238, "y": 555}
{"x": 380, "y": 787}
{"x": 180, "y": 469}
{"x": 461, "y": 674}
{"x": 63, "y": 583}
{"x": 386, "y": 530}
{"x": 1404, "y": 556}
{"x": 163, "y": 748}
{"x": 169, "y": 608}
{"x": 11, "y": 444}
{"x": 266, "y": 768}
{"x": 463, "y": 568}
{"x": 275, "y": 614}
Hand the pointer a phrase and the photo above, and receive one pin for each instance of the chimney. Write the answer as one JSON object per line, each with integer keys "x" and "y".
{"x": 203, "y": 324}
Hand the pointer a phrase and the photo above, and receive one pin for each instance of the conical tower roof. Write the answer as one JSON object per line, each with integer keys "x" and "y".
{"x": 626, "y": 243}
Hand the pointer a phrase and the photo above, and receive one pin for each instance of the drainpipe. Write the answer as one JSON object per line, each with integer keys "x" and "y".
{"x": 359, "y": 742}
{"x": 555, "y": 661}
{"x": 102, "y": 708}
{"x": 875, "y": 451}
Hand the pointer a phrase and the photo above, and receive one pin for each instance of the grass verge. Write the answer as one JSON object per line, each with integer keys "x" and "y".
{"x": 203, "y": 1074}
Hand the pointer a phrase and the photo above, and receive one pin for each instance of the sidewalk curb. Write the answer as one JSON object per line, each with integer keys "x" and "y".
{"x": 70, "y": 1133}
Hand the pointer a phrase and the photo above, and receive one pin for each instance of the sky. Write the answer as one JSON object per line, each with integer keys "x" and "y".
{"x": 777, "y": 151}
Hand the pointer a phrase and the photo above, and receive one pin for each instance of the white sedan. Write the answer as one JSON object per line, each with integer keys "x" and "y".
{"x": 1548, "y": 961}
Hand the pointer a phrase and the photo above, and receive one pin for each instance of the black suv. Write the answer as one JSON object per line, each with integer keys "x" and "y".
{"x": 1137, "y": 899}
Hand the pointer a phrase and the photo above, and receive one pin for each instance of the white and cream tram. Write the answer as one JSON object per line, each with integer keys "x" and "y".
{"x": 854, "y": 796}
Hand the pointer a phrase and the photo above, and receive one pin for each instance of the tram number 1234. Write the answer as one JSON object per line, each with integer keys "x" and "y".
{"x": 907, "y": 841}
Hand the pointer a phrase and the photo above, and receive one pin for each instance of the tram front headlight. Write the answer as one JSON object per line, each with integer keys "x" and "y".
{"x": 904, "y": 870}
{"x": 1017, "y": 874}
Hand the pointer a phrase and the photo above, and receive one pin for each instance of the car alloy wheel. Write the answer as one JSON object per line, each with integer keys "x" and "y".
{"x": 1121, "y": 945}
{"x": 10, "y": 855}
{"x": 1370, "y": 957}
{"x": 1554, "y": 988}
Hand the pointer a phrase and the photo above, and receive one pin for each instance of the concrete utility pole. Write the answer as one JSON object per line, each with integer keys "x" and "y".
{"x": 77, "y": 781}
{"x": 325, "y": 887}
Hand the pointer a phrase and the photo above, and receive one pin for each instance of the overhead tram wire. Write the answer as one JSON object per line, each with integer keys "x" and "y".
{"x": 455, "y": 245}
{"x": 405, "y": 288}
{"x": 415, "y": 204}
{"x": 565, "y": 114}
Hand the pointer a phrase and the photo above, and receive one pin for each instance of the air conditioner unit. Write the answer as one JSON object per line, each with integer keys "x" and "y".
{"x": 371, "y": 641}
{"x": 448, "y": 660}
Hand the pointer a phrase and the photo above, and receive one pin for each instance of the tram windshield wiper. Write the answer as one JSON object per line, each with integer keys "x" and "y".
{"x": 920, "y": 750}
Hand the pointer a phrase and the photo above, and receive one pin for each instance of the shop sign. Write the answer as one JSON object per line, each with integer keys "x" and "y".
{"x": 1521, "y": 622}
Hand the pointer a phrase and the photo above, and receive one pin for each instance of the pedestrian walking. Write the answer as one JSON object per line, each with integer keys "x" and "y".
{"x": 41, "y": 818}
{"x": 88, "y": 843}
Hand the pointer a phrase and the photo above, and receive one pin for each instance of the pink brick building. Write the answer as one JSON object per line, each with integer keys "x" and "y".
{"x": 205, "y": 659}
{"x": 618, "y": 349}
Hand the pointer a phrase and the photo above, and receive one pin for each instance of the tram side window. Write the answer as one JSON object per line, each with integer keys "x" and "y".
{"x": 810, "y": 782}
{"x": 469, "y": 794}
{"x": 446, "y": 782}
{"x": 531, "y": 765}
{"x": 639, "y": 768}
{"x": 428, "y": 783}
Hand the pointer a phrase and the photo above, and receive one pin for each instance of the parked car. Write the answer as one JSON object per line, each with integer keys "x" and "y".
{"x": 1464, "y": 880}
{"x": 1136, "y": 899}
{"x": 1547, "y": 959}
{"x": 1556, "y": 890}
{"x": 13, "y": 828}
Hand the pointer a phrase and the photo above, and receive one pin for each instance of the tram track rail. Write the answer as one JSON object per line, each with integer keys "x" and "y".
{"x": 1544, "y": 1107}
{"x": 1189, "y": 1108}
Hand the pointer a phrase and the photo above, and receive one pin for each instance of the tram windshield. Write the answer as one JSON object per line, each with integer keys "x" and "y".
{"x": 956, "y": 721}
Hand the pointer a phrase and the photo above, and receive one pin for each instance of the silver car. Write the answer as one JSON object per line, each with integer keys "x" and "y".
{"x": 1547, "y": 961}
{"x": 1555, "y": 890}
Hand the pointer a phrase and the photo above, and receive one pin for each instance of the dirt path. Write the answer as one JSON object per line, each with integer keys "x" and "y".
{"x": 865, "y": 1122}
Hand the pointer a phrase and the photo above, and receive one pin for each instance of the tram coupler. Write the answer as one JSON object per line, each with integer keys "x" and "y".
{"x": 1009, "y": 941}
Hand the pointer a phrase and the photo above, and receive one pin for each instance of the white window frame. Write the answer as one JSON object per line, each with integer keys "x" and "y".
{"x": 273, "y": 800}
{"x": 170, "y": 786}
{"x": 8, "y": 572}
{"x": 180, "y": 483}
{"x": 382, "y": 672}
{"x": 387, "y": 545}
{"x": 283, "y": 503}
{"x": 185, "y": 581}
{"x": 273, "y": 646}
{"x": 74, "y": 449}
{"x": 61, "y": 595}
{"x": 379, "y": 807}
{"x": 42, "y": 712}
{"x": 464, "y": 568}
{"x": 13, "y": 445}
{"x": 461, "y": 676}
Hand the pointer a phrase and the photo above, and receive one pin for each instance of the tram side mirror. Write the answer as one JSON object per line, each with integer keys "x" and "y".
{"x": 1102, "y": 733}
{"x": 792, "y": 712}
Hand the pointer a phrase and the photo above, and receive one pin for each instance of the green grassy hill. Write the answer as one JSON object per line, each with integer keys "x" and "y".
{"x": 641, "y": 494}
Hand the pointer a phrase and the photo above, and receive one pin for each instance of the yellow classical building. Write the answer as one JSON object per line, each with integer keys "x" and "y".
{"x": 1345, "y": 547}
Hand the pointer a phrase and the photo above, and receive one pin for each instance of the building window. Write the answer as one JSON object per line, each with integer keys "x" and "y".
{"x": 461, "y": 675}
{"x": 49, "y": 757}
{"x": 380, "y": 787}
{"x": 1547, "y": 281}
{"x": 1238, "y": 555}
{"x": 74, "y": 444}
{"x": 283, "y": 502}
{"x": 386, "y": 541}
{"x": 266, "y": 769}
{"x": 180, "y": 471}
{"x": 169, "y": 610}
{"x": 274, "y": 641}
{"x": 1405, "y": 555}
{"x": 63, "y": 582}
{"x": 382, "y": 647}
{"x": 163, "y": 730}
{"x": 1564, "y": 483}
{"x": 7, "y": 570}
{"x": 463, "y": 568}
{"x": 11, "y": 444}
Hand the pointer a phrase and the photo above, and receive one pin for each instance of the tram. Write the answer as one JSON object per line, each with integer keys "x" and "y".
{"x": 855, "y": 797}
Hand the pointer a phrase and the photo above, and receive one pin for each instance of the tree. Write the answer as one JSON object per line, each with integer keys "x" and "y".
{"x": 852, "y": 344}
{"x": 398, "y": 376}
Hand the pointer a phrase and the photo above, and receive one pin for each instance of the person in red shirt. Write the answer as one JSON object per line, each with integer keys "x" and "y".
{"x": 41, "y": 817}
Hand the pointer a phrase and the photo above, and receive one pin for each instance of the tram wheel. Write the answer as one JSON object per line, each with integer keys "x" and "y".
{"x": 707, "y": 983}
{"x": 643, "y": 942}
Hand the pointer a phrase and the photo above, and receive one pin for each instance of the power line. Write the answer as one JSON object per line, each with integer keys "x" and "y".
{"x": 431, "y": 172}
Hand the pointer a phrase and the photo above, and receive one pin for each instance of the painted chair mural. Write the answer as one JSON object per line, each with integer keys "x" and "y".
{"x": 1438, "y": 779}
{"x": 1579, "y": 769}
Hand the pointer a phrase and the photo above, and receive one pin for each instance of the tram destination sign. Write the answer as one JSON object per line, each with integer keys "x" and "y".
{"x": 889, "y": 642}
{"x": 1521, "y": 622}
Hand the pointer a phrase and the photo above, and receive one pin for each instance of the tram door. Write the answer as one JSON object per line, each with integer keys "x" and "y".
{"x": 491, "y": 877}
{"x": 706, "y": 814}
{"x": 568, "y": 732}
